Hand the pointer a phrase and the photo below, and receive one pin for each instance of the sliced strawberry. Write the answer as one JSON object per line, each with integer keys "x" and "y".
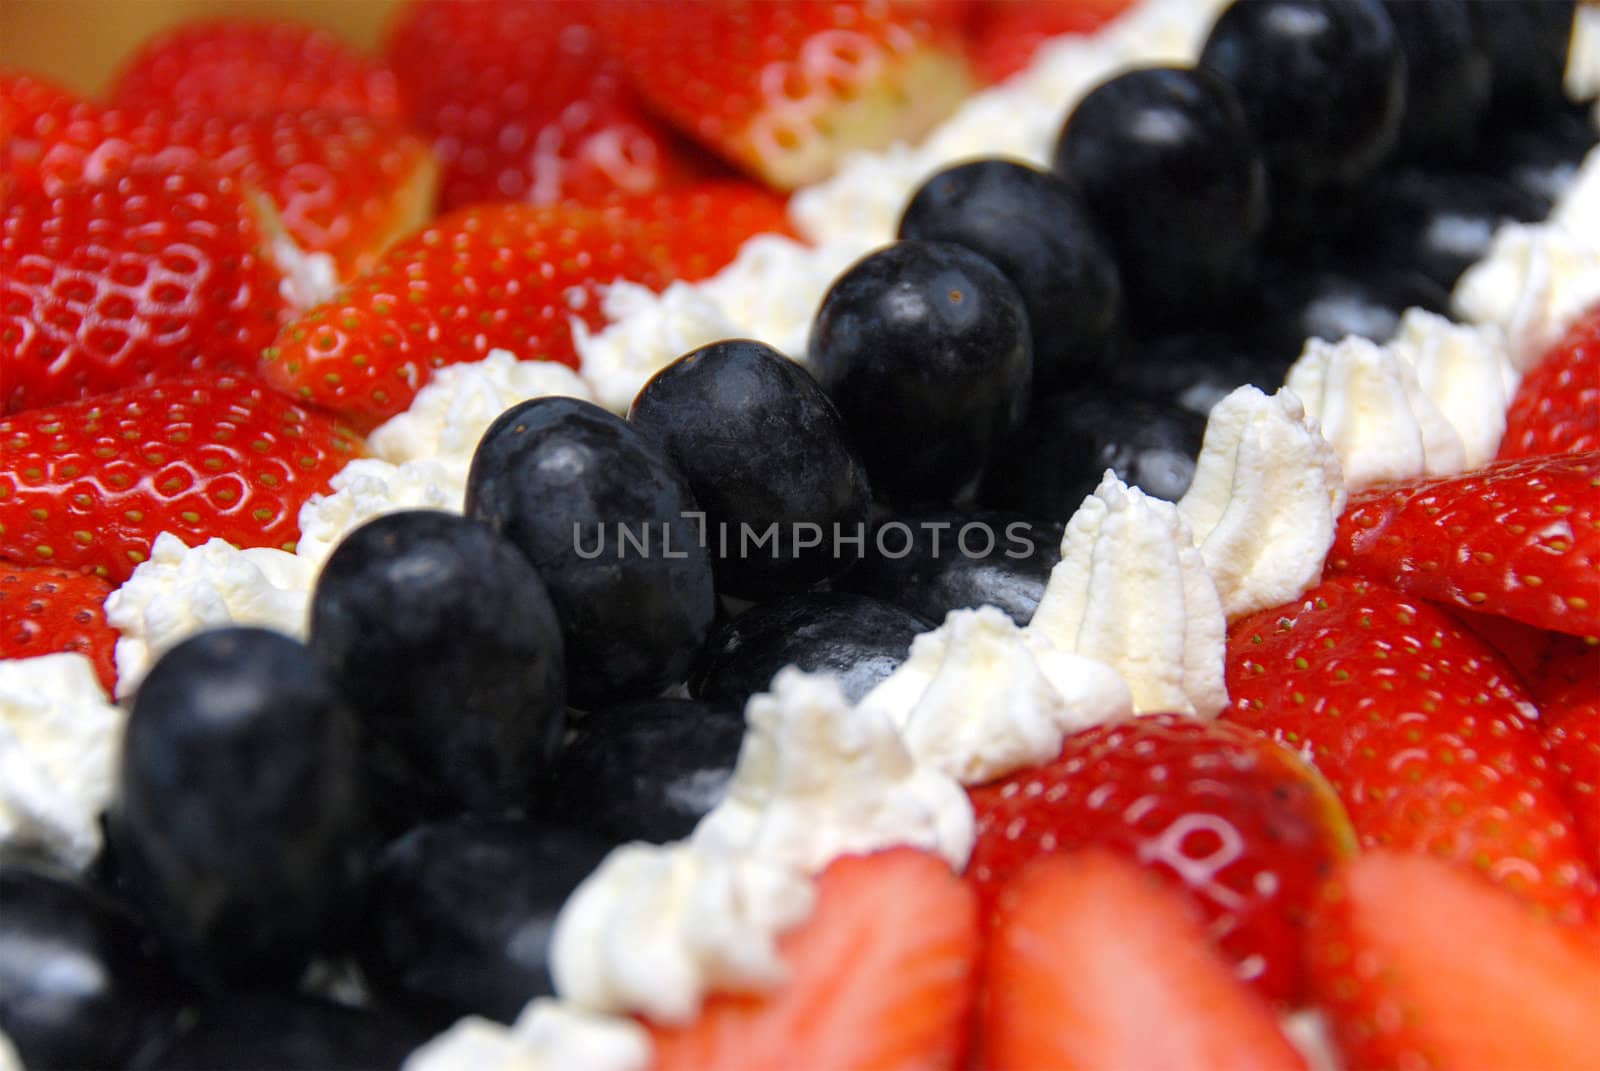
{"x": 523, "y": 104}
{"x": 881, "y": 977}
{"x": 1006, "y": 33}
{"x": 697, "y": 229}
{"x": 48, "y": 610}
{"x": 783, "y": 90}
{"x": 130, "y": 282}
{"x": 1238, "y": 822}
{"x": 233, "y": 67}
{"x": 346, "y": 185}
{"x": 1419, "y": 964}
{"x": 1518, "y": 538}
{"x": 1093, "y": 965}
{"x": 1557, "y": 407}
{"x": 1421, "y": 728}
{"x": 89, "y": 485}
{"x": 507, "y": 276}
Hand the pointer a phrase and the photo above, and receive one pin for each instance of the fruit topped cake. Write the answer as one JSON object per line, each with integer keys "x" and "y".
{"x": 623, "y": 535}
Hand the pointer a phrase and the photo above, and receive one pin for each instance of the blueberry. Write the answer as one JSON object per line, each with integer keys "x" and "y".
{"x": 1447, "y": 79}
{"x": 1167, "y": 163}
{"x": 442, "y": 638}
{"x": 82, "y": 983}
{"x": 1541, "y": 158}
{"x": 942, "y": 560}
{"x": 1527, "y": 43}
{"x": 256, "y": 1031}
{"x": 924, "y": 348}
{"x": 1329, "y": 299}
{"x": 859, "y": 640}
{"x": 1060, "y": 455}
{"x": 764, "y": 450}
{"x": 607, "y": 520}
{"x": 1194, "y": 370}
{"x": 239, "y": 822}
{"x": 1036, "y": 229}
{"x": 646, "y": 770}
{"x": 1323, "y": 86}
{"x": 461, "y": 914}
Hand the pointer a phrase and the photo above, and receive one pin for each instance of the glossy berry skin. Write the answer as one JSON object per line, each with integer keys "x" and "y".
{"x": 81, "y": 981}
{"x": 1557, "y": 405}
{"x": 1527, "y": 44}
{"x": 1323, "y": 87}
{"x": 47, "y": 609}
{"x": 461, "y": 913}
{"x": 443, "y": 639}
{"x": 266, "y": 1031}
{"x": 1540, "y": 160}
{"x": 761, "y": 446}
{"x": 239, "y": 824}
{"x": 1195, "y": 370}
{"x": 1448, "y": 77}
{"x": 859, "y": 640}
{"x": 646, "y": 770}
{"x": 1040, "y": 233}
{"x": 557, "y": 477}
{"x": 1167, "y": 164}
{"x": 1149, "y": 444}
{"x": 1438, "y": 223}
{"x": 1329, "y": 298}
{"x": 925, "y": 348}
{"x": 930, "y": 574}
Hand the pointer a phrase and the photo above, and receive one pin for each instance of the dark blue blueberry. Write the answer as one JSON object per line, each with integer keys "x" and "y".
{"x": 1328, "y": 299}
{"x": 924, "y": 347}
{"x": 1036, "y": 229}
{"x": 1168, "y": 165}
{"x": 1323, "y": 86}
{"x": 240, "y": 818}
{"x": 442, "y": 638}
{"x": 461, "y": 914}
{"x": 935, "y": 561}
{"x": 607, "y": 519}
{"x": 1527, "y": 43}
{"x": 1447, "y": 79}
{"x": 859, "y": 640}
{"x": 256, "y": 1031}
{"x": 763, "y": 448}
{"x": 1540, "y": 158}
{"x": 1061, "y": 454}
{"x": 82, "y": 983}
{"x": 647, "y": 770}
{"x": 1195, "y": 370}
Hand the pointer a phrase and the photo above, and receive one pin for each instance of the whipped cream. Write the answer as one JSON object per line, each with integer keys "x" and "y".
{"x": 1132, "y": 591}
{"x": 1536, "y": 280}
{"x": 547, "y": 1036}
{"x": 980, "y": 697}
{"x": 59, "y": 739}
{"x": 1265, "y": 500}
{"x": 368, "y": 488}
{"x": 9, "y": 1059}
{"x": 1466, "y": 371}
{"x": 1582, "y": 79}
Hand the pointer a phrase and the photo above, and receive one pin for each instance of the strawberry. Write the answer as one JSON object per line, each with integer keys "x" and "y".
{"x": 48, "y": 609}
{"x": 346, "y": 185}
{"x": 1006, "y": 33}
{"x": 89, "y": 485}
{"x": 523, "y": 104}
{"x": 1517, "y": 538}
{"x": 1421, "y": 728}
{"x": 695, "y": 230}
{"x": 881, "y": 976}
{"x": 783, "y": 90}
{"x": 1573, "y": 733}
{"x": 506, "y": 275}
{"x": 1235, "y": 820}
{"x": 234, "y": 67}
{"x": 1419, "y": 964}
{"x": 1557, "y": 407}
{"x": 129, "y": 282}
{"x": 1092, "y": 965}
{"x": 32, "y": 109}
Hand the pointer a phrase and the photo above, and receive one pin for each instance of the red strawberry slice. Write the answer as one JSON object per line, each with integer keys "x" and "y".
{"x": 346, "y": 185}
{"x": 881, "y": 977}
{"x": 1557, "y": 407}
{"x": 233, "y": 67}
{"x": 1421, "y": 728}
{"x": 88, "y": 485}
{"x": 48, "y": 610}
{"x": 1236, "y": 821}
{"x": 783, "y": 90}
{"x": 695, "y": 230}
{"x": 1093, "y": 965}
{"x": 508, "y": 275}
{"x": 523, "y": 104}
{"x": 1006, "y": 33}
{"x": 130, "y": 282}
{"x": 1518, "y": 538}
{"x": 1419, "y": 964}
